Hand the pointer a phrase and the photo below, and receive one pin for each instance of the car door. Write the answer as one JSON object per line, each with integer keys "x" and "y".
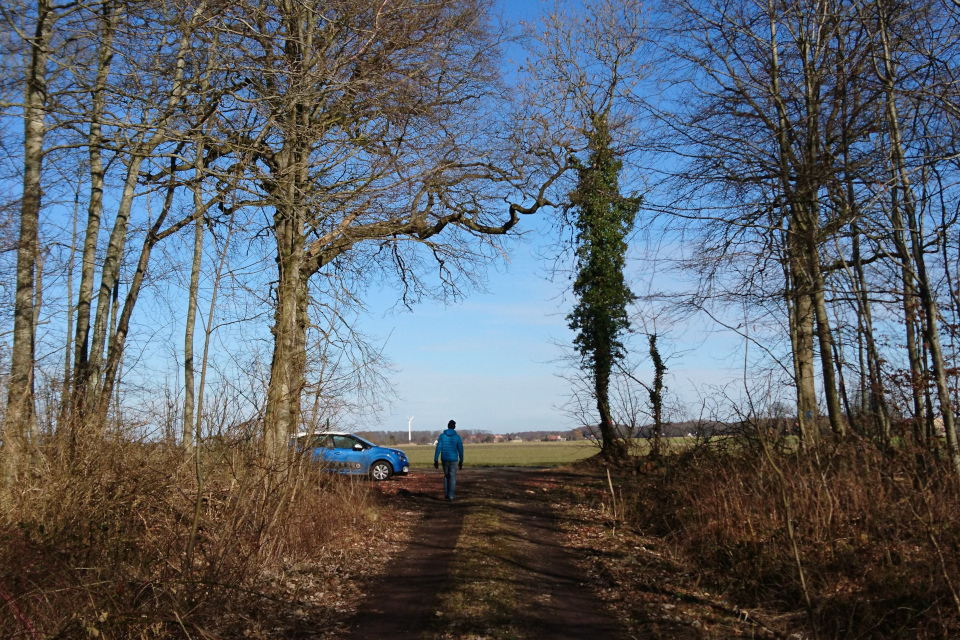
{"x": 349, "y": 454}
{"x": 322, "y": 449}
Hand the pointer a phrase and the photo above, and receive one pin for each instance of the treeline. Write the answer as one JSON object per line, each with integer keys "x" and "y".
{"x": 394, "y": 438}
{"x": 399, "y": 438}
{"x": 806, "y": 158}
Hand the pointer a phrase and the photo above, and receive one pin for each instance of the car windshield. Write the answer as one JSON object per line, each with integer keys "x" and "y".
{"x": 366, "y": 443}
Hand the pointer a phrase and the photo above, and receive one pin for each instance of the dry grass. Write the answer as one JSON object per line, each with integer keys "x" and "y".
{"x": 877, "y": 534}
{"x": 94, "y": 546}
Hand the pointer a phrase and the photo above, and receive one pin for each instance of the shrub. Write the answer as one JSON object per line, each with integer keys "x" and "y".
{"x": 95, "y": 545}
{"x": 877, "y": 533}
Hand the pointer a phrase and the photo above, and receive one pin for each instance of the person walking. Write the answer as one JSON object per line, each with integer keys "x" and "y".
{"x": 450, "y": 451}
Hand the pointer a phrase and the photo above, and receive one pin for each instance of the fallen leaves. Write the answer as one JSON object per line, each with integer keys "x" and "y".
{"x": 316, "y": 599}
{"x": 649, "y": 590}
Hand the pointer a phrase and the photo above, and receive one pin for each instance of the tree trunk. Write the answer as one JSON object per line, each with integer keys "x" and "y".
{"x": 808, "y": 207}
{"x": 287, "y": 369}
{"x": 840, "y": 361}
{"x": 825, "y": 338}
{"x": 932, "y": 335}
{"x": 910, "y": 324}
{"x": 64, "y": 414}
{"x": 877, "y": 399}
{"x": 801, "y": 320}
{"x": 872, "y": 394}
{"x": 924, "y": 289}
{"x": 798, "y": 279}
{"x": 656, "y": 393}
{"x": 118, "y": 334}
{"x": 94, "y": 213}
{"x": 612, "y": 446}
{"x": 188, "y": 335}
{"x": 20, "y": 414}
{"x": 109, "y": 275}
{"x": 188, "y": 383}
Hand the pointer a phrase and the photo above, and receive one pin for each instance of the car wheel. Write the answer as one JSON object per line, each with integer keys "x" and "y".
{"x": 380, "y": 471}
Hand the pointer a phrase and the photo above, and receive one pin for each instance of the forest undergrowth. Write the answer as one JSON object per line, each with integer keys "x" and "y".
{"x": 848, "y": 540}
{"x": 98, "y": 545}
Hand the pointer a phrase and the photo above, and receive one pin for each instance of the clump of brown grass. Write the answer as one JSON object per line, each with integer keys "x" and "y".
{"x": 93, "y": 545}
{"x": 875, "y": 534}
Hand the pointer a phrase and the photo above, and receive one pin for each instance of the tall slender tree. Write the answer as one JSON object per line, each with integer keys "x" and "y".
{"x": 591, "y": 59}
{"x": 37, "y": 29}
{"x": 604, "y": 219}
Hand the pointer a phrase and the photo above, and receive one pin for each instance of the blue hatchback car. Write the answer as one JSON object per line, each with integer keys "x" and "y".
{"x": 350, "y": 454}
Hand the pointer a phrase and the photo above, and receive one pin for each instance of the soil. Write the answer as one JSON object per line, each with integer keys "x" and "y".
{"x": 491, "y": 564}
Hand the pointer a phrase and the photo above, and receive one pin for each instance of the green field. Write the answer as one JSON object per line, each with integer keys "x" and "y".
{"x": 508, "y": 454}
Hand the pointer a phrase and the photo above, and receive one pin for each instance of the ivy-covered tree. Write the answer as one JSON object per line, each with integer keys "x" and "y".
{"x": 603, "y": 219}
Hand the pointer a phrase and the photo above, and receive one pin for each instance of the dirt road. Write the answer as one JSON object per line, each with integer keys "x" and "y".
{"x": 489, "y": 565}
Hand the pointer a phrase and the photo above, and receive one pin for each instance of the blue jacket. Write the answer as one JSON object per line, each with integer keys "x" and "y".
{"x": 449, "y": 447}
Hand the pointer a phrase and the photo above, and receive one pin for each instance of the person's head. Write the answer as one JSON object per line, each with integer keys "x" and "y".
{"x": 451, "y": 425}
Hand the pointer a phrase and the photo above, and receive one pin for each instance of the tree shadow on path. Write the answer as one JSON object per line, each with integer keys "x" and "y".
{"x": 488, "y": 565}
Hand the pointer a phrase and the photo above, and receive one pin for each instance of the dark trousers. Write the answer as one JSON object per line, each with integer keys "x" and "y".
{"x": 449, "y": 478}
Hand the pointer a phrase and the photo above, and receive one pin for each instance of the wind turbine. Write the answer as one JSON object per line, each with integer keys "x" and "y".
{"x": 409, "y": 432}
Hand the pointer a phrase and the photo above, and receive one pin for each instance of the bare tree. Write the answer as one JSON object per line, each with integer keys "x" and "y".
{"x": 583, "y": 69}
{"x": 195, "y": 265}
{"x": 371, "y": 129}
{"x": 907, "y": 223}
{"x": 775, "y": 105}
{"x": 105, "y": 30}
{"x": 153, "y": 111}
{"x": 35, "y": 25}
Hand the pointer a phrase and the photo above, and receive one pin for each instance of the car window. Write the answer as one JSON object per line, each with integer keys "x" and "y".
{"x": 322, "y": 442}
{"x": 344, "y": 442}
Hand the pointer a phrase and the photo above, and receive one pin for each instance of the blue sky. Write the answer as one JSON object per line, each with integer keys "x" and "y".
{"x": 492, "y": 361}
{"x": 489, "y": 362}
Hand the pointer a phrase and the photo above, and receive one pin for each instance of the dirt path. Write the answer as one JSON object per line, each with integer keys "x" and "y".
{"x": 489, "y": 565}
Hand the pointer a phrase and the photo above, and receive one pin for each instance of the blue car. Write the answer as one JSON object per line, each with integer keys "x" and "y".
{"x": 350, "y": 454}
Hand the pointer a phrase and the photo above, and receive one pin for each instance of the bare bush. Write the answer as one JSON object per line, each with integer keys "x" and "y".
{"x": 877, "y": 533}
{"x": 95, "y": 546}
